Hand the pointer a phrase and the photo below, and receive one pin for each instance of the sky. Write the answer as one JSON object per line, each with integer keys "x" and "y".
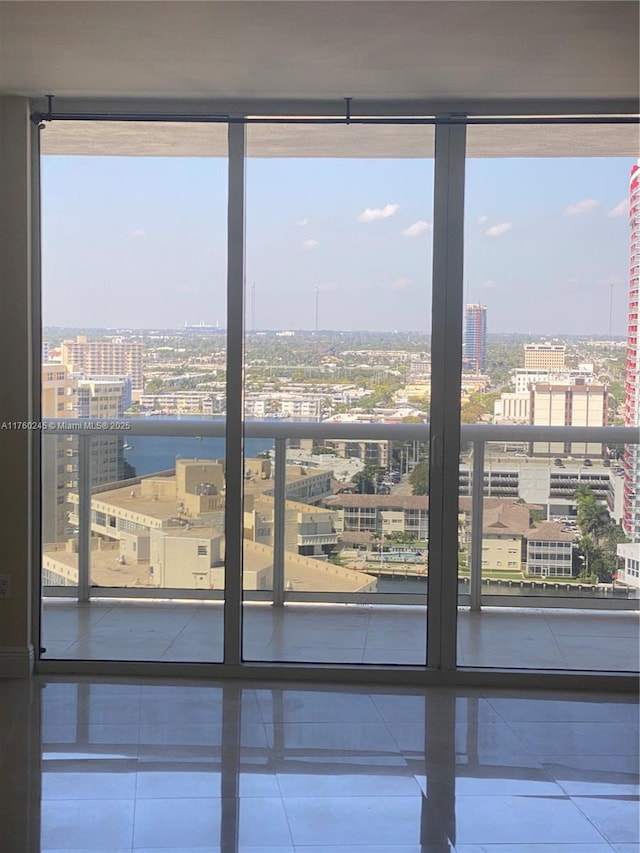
{"x": 140, "y": 242}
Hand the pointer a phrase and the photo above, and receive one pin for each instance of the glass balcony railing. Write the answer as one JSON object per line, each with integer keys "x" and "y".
{"x": 326, "y": 524}
{"x": 333, "y": 534}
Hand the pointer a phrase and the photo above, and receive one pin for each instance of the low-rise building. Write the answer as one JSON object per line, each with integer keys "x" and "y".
{"x": 550, "y": 550}
{"x": 504, "y": 526}
{"x": 381, "y": 514}
{"x": 629, "y": 564}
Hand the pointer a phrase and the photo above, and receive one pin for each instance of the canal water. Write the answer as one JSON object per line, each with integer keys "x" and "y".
{"x": 150, "y": 454}
{"x": 419, "y": 585}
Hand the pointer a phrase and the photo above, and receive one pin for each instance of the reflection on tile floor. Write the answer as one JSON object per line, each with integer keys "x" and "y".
{"x": 138, "y": 765}
{"x": 193, "y": 631}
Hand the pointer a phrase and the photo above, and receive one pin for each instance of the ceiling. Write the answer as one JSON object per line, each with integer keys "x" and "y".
{"x": 433, "y": 49}
{"x": 270, "y": 57}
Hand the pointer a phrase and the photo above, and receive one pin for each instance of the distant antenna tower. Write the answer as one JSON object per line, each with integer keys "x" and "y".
{"x": 317, "y": 291}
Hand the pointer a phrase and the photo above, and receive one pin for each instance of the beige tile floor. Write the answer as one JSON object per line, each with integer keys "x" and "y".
{"x": 108, "y": 629}
{"x": 116, "y": 766}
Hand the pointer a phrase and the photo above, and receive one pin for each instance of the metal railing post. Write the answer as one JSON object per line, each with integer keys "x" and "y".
{"x": 84, "y": 516}
{"x": 279, "y": 478}
{"x": 477, "y": 505}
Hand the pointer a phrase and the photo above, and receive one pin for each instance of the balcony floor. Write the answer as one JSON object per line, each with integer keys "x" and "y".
{"x": 179, "y": 631}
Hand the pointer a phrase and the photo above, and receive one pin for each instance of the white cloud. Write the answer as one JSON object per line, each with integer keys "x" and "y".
{"x": 302, "y": 222}
{"x": 402, "y": 283}
{"x": 137, "y": 233}
{"x": 580, "y": 207}
{"x": 373, "y": 213}
{"x": 621, "y": 209}
{"x": 418, "y": 228}
{"x": 490, "y": 284}
{"x": 481, "y": 219}
{"x": 310, "y": 244}
{"x": 498, "y": 230}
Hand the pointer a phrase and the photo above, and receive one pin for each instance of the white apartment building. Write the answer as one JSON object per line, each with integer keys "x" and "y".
{"x": 512, "y": 408}
{"x": 292, "y": 406}
{"x": 568, "y": 405}
{"x": 179, "y": 402}
{"x": 549, "y": 551}
{"x": 629, "y": 568}
{"x": 524, "y": 377}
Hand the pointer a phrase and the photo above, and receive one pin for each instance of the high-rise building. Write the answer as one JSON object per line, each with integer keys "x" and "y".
{"x": 67, "y": 396}
{"x": 544, "y": 357}
{"x": 580, "y": 404}
{"x": 105, "y": 358}
{"x": 59, "y": 452}
{"x": 103, "y": 398}
{"x": 475, "y": 338}
{"x": 631, "y": 505}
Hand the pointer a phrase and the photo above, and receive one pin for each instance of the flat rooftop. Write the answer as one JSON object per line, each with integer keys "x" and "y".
{"x": 302, "y": 573}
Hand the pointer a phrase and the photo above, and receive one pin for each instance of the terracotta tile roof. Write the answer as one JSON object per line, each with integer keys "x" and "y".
{"x": 550, "y": 531}
{"x": 377, "y": 502}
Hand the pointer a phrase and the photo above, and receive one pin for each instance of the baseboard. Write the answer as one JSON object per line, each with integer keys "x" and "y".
{"x": 16, "y": 661}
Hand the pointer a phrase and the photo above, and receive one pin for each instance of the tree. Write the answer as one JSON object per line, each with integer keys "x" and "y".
{"x": 593, "y": 518}
{"x": 612, "y": 538}
{"x": 419, "y": 478}
{"x": 366, "y": 479}
{"x": 402, "y": 537}
{"x": 594, "y": 563}
{"x": 154, "y": 385}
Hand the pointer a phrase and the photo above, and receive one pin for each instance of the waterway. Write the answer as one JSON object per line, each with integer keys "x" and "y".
{"x": 419, "y": 586}
{"x": 150, "y": 454}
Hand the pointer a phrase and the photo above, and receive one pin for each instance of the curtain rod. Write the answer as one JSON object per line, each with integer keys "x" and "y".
{"x": 39, "y": 118}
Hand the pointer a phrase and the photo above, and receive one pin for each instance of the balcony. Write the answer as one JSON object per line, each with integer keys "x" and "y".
{"x": 298, "y": 609}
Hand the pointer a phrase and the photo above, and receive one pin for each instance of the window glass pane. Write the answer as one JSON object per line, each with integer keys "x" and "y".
{"x": 550, "y": 331}
{"x": 339, "y": 223}
{"x": 134, "y": 305}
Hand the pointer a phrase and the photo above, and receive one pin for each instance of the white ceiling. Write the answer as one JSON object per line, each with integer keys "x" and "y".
{"x": 433, "y": 49}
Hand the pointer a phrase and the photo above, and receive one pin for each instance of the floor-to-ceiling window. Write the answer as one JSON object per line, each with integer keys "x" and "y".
{"x": 301, "y": 297}
{"x": 134, "y": 335}
{"x": 546, "y": 316}
{"x": 339, "y": 226}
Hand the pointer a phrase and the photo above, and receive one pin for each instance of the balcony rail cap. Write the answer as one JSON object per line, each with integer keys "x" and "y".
{"x": 123, "y": 428}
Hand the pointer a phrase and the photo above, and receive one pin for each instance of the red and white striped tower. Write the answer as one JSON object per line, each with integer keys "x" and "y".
{"x": 631, "y": 507}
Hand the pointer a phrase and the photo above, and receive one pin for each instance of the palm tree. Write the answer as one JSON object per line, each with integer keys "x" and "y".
{"x": 593, "y": 518}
